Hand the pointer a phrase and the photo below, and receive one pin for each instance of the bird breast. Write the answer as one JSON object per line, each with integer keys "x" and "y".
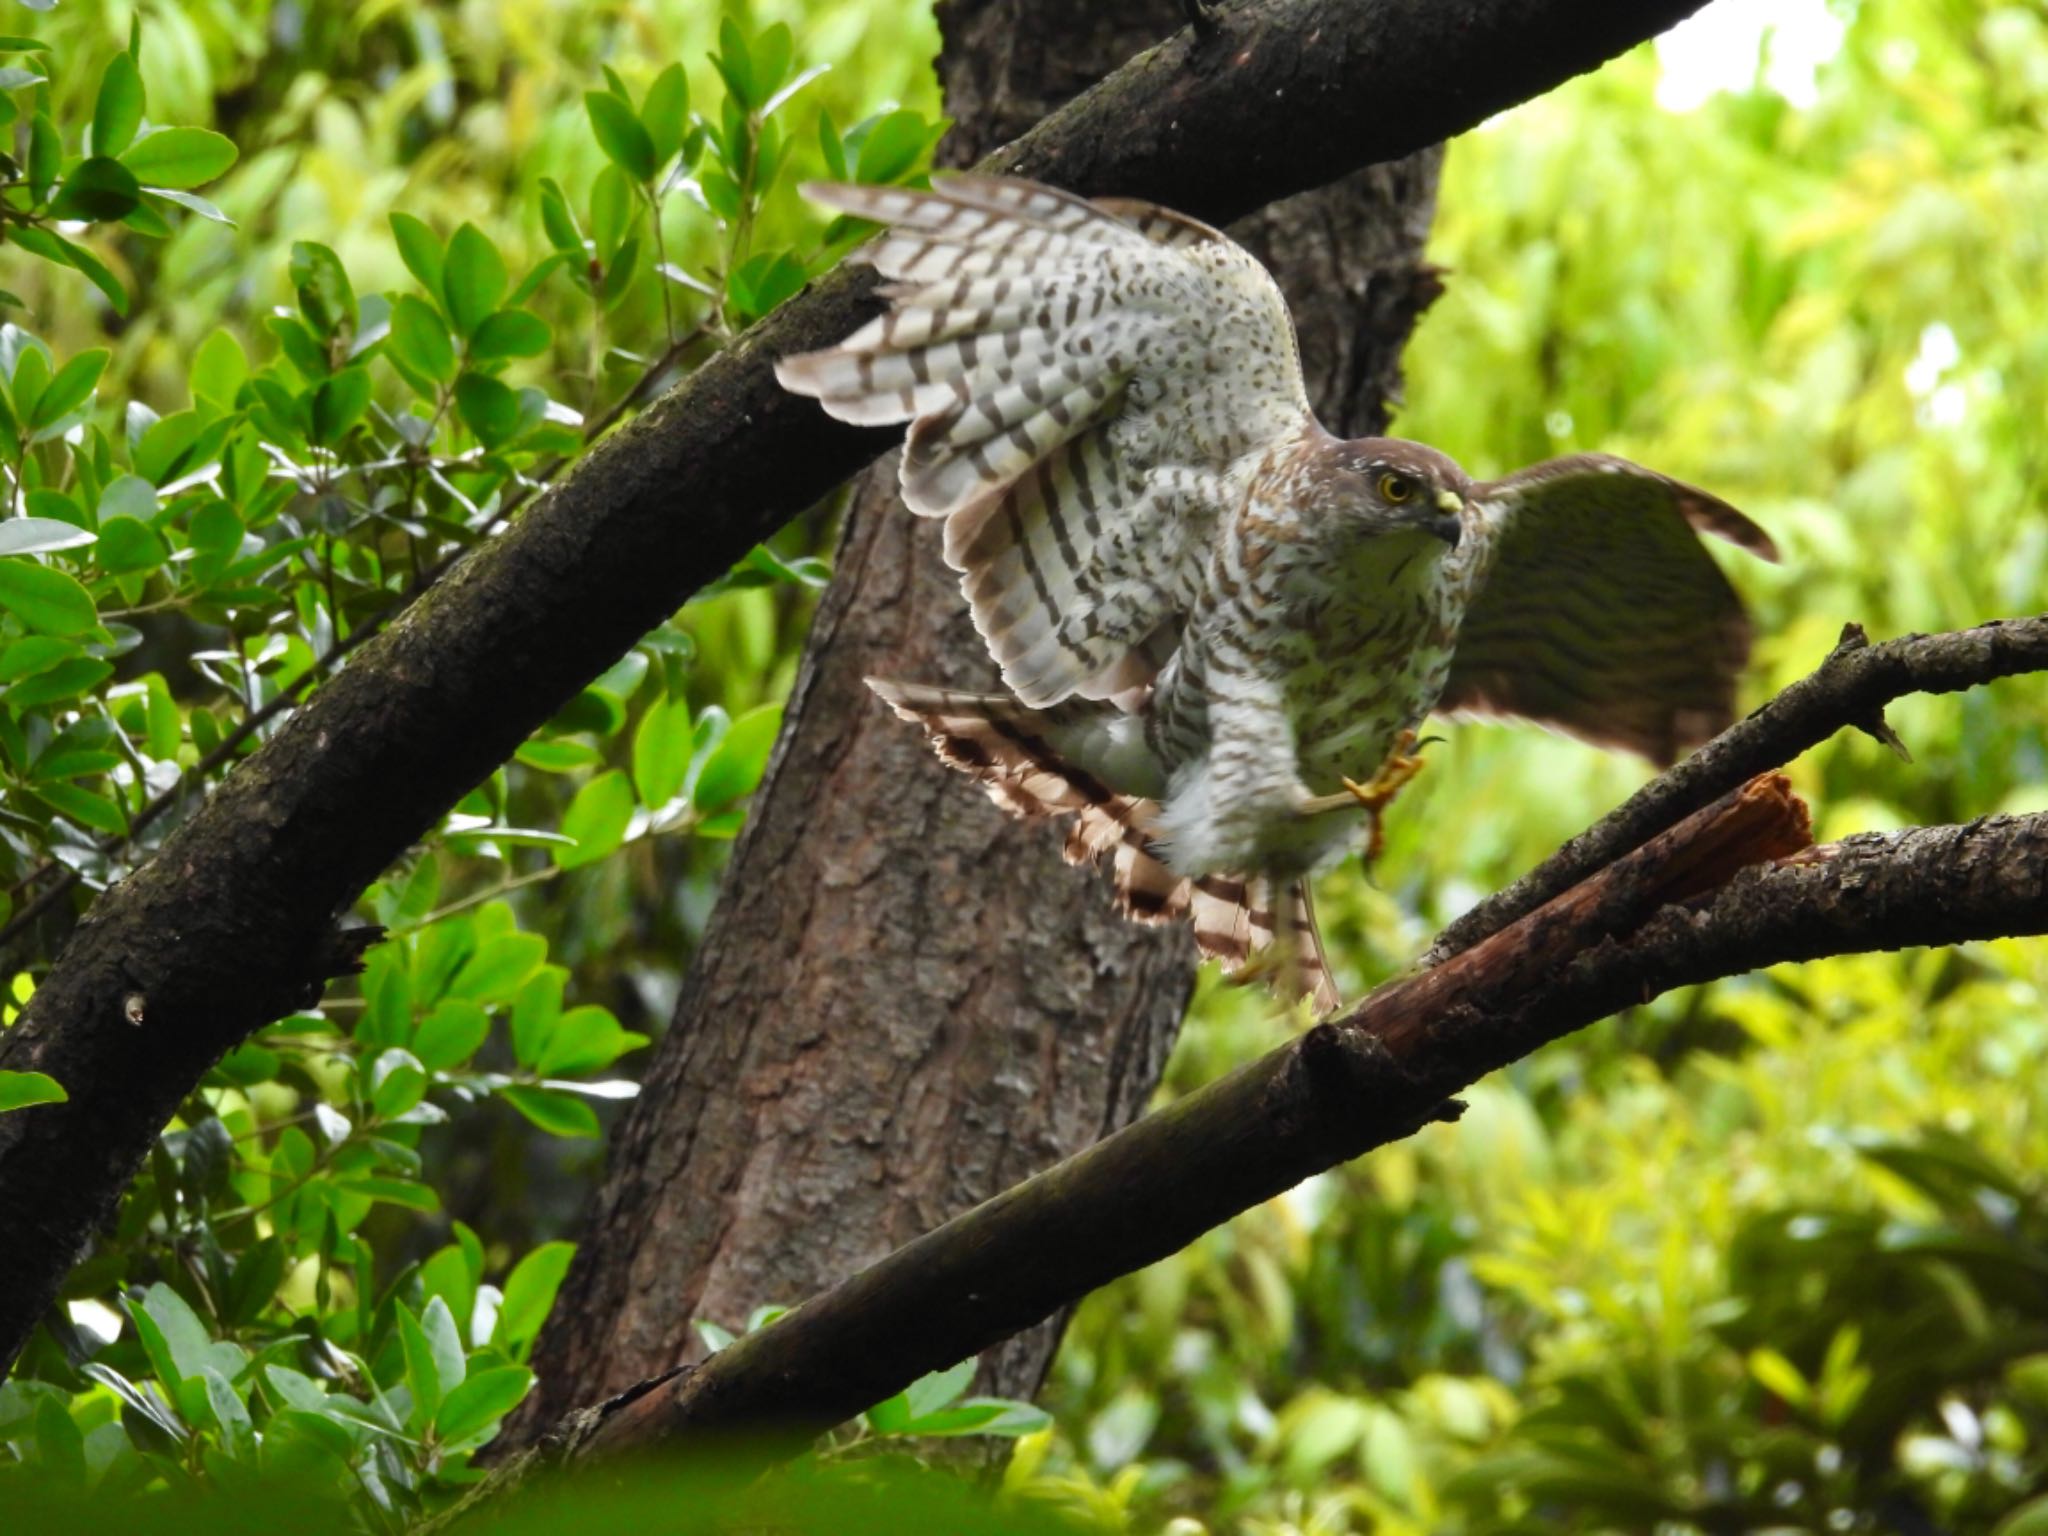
{"x": 1371, "y": 636}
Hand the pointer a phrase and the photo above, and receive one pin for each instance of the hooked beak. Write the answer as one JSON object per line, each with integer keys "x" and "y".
{"x": 1450, "y": 521}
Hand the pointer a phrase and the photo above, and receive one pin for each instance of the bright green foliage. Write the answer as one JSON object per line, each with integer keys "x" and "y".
{"x": 1768, "y": 1256}
{"x": 184, "y": 554}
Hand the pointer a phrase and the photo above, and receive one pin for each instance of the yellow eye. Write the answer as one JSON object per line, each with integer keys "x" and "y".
{"x": 1396, "y": 488}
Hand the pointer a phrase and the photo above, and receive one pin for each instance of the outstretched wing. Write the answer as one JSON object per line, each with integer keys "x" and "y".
{"x": 1603, "y": 614}
{"x": 1088, "y": 386}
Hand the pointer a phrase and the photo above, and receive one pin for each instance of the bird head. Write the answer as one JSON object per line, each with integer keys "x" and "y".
{"x": 1385, "y": 486}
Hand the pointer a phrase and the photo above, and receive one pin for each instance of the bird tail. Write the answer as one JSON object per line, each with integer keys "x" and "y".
{"x": 1007, "y": 748}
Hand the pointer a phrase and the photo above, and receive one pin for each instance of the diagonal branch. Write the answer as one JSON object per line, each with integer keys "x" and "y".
{"x": 226, "y": 929}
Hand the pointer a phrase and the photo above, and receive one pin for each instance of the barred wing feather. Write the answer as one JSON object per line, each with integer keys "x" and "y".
{"x": 1603, "y": 615}
{"x": 1088, "y": 387}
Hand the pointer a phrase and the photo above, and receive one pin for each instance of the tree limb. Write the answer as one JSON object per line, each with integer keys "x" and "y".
{"x": 1849, "y": 689}
{"x": 226, "y": 929}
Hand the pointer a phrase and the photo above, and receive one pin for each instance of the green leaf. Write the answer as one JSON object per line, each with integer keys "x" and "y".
{"x": 71, "y": 388}
{"x": 489, "y": 407}
{"x": 45, "y": 600}
{"x": 736, "y": 764}
{"x": 558, "y": 219}
{"x": 117, "y": 112}
{"x": 551, "y": 756}
{"x": 586, "y": 1039}
{"x": 614, "y": 208}
{"x": 596, "y": 818}
{"x": 164, "y": 727}
{"x": 18, "y": 1090}
{"x": 34, "y": 653}
{"x": 326, "y": 297}
{"x": 982, "y": 1416}
{"x": 98, "y": 189}
{"x": 621, "y": 136}
{"x": 31, "y": 376}
{"x": 481, "y": 1401}
{"x": 54, "y": 247}
{"x": 473, "y": 279}
{"x": 338, "y": 404}
{"x": 39, "y": 535}
{"x": 219, "y": 368}
{"x": 451, "y": 1034}
{"x": 128, "y": 546}
{"x": 190, "y": 1346}
{"x": 229, "y": 1412}
{"x": 892, "y": 147}
{"x": 420, "y": 249}
{"x": 420, "y": 337}
{"x": 398, "y": 1083}
{"x": 45, "y": 156}
{"x": 832, "y": 147}
{"x": 445, "y": 1340}
{"x": 179, "y": 157}
{"x": 661, "y": 752}
{"x": 499, "y": 967}
{"x": 559, "y": 1114}
{"x": 762, "y": 282}
{"x": 529, "y": 1294}
{"x": 190, "y": 201}
{"x": 127, "y": 496}
{"x": 930, "y": 1393}
{"x": 534, "y": 1013}
{"x": 665, "y": 113}
{"x": 422, "y": 1377}
{"x": 510, "y": 333}
{"x": 733, "y": 64}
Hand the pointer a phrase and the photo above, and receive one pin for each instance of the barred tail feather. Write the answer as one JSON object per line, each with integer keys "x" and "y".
{"x": 1002, "y": 745}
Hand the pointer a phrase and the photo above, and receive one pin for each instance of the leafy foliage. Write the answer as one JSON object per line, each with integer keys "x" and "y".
{"x": 282, "y": 1295}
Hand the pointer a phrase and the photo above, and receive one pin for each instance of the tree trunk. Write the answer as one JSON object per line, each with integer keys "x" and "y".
{"x": 905, "y": 1002}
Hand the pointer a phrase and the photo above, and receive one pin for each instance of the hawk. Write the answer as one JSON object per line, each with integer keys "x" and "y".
{"x": 1209, "y": 612}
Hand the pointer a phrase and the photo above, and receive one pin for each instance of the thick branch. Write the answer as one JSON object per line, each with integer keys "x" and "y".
{"x": 226, "y": 928}
{"x": 1346, "y": 1087}
{"x": 1850, "y": 689}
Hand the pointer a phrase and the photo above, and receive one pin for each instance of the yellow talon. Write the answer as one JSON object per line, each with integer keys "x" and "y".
{"x": 1402, "y": 764}
{"x": 1377, "y": 793}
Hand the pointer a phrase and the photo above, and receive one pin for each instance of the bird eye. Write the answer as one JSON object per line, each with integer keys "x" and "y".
{"x": 1396, "y": 488}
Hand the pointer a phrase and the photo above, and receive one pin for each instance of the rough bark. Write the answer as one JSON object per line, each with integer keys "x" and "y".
{"x": 230, "y": 925}
{"x": 906, "y": 1002}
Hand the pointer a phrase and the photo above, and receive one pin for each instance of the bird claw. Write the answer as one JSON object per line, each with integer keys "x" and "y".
{"x": 1377, "y": 793}
{"x": 1402, "y": 764}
